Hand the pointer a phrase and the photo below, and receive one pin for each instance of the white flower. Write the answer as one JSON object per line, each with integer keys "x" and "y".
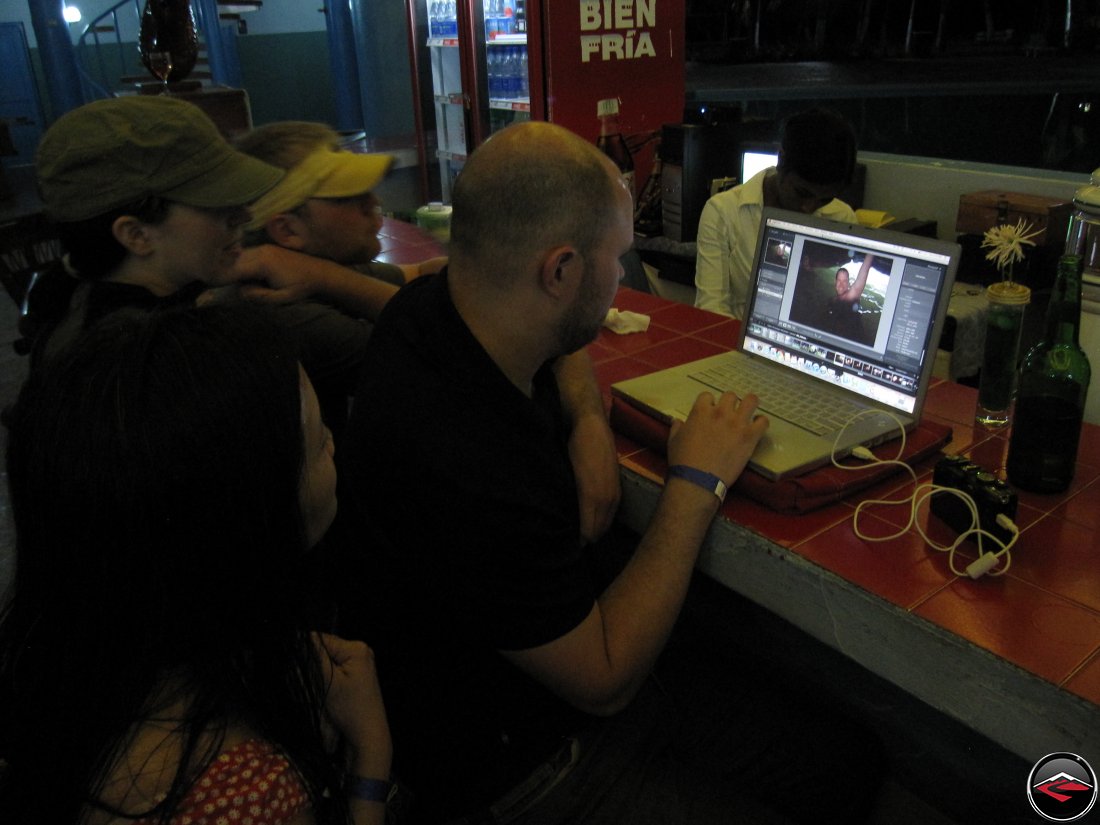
{"x": 1006, "y": 244}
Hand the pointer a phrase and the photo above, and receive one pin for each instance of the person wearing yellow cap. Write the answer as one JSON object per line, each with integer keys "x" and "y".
{"x": 326, "y": 204}
{"x": 151, "y": 204}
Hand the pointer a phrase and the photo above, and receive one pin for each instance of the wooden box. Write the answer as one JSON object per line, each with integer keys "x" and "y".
{"x": 979, "y": 211}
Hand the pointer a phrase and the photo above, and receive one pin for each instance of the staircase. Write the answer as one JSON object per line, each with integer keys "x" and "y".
{"x": 107, "y": 49}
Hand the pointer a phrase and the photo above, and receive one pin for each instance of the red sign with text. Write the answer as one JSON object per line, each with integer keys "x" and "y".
{"x": 629, "y": 49}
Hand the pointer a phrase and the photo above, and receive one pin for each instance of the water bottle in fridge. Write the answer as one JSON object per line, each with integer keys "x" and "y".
{"x": 513, "y": 73}
{"x": 524, "y": 81}
{"x": 451, "y": 19}
{"x": 492, "y": 70}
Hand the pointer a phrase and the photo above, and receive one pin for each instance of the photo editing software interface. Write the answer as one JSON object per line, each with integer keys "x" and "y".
{"x": 858, "y": 316}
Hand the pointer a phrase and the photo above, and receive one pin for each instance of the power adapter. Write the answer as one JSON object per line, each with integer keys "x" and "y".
{"x": 992, "y": 497}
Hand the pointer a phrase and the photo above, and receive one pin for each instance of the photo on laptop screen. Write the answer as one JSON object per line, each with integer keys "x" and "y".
{"x": 848, "y": 308}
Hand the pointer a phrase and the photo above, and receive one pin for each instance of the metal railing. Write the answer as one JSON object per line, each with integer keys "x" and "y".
{"x": 116, "y": 30}
{"x": 101, "y": 72}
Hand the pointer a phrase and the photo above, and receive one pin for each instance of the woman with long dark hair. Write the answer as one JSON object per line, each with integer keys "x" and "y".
{"x": 169, "y": 474}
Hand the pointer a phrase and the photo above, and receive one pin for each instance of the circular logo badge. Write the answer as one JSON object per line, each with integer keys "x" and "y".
{"x": 1061, "y": 787}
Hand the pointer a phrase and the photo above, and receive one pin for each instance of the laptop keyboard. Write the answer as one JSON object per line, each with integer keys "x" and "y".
{"x": 799, "y": 402}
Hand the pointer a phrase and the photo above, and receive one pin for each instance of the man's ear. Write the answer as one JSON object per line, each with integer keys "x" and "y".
{"x": 560, "y": 272}
{"x": 287, "y": 230}
{"x": 135, "y": 235}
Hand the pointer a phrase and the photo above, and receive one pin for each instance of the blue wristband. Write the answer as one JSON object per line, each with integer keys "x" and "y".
{"x": 369, "y": 790}
{"x": 710, "y": 483}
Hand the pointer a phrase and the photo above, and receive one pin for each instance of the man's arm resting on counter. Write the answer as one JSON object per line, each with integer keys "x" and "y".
{"x": 272, "y": 274}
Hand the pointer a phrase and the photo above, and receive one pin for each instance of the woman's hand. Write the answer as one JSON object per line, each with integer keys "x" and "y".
{"x": 354, "y": 703}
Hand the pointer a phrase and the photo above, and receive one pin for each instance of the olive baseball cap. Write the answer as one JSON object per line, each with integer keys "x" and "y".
{"x": 112, "y": 152}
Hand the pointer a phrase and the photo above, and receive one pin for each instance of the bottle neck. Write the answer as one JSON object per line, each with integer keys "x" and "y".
{"x": 1064, "y": 311}
{"x": 609, "y": 125}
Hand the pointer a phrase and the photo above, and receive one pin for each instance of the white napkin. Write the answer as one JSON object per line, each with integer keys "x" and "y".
{"x": 623, "y": 321}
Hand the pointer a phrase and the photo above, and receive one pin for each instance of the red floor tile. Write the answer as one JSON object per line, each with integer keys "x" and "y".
{"x": 677, "y": 351}
{"x": 782, "y": 528}
{"x": 1082, "y": 508}
{"x": 406, "y": 254}
{"x": 724, "y": 333}
{"x": 1088, "y": 452}
{"x": 953, "y": 402}
{"x": 648, "y": 464}
{"x": 1037, "y": 630}
{"x": 1061, "y": 557}
{"x": 962, "y": 437}
{"x": 635, "y": 301}
{"x": 990, "y": 453}
{"x": 1086, "y": 681}
{"x": 625, "y": 446}
{"x": 598, "y": 352}
{"x": 683, "y": 318}
{"x": 611, "y": 370}
{"x": 634, "y": 342}
{"x": 1048, "y": 502}
{"x": 901, "y": 570}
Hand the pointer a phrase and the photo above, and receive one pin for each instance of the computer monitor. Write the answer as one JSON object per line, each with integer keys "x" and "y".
{"x": 755, "y": 157}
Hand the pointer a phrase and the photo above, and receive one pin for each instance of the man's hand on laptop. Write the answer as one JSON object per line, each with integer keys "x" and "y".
{"x": 719, "y": 435}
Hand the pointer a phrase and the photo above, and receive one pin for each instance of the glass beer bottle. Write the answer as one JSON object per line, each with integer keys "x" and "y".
{"x": 1050, "y": 402}
{"x": 611, "y": 141}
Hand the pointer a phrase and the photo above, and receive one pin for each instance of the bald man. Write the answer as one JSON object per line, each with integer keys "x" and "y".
{"x": 516, "y": 660}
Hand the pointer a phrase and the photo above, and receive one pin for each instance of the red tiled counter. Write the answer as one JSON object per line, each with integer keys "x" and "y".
{"x": 1016, "y": 658}
{"x": 405, "y": 243}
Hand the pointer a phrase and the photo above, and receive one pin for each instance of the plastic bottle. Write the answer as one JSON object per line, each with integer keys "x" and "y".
{"x": 433, "y": 19}
{"x": 611, "y": 142}
{"x": 450, "y": 19}
{"x": 491, "y": 71}
{"x": 524, "y": 80}
{"x": 510, "y": 81}
{"x": 508, "y": 12}
{"x": 1050, "y": 402}
{"x": 495, "y": 15}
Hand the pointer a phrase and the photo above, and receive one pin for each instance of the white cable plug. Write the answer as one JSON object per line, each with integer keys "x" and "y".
{"x": 982, "y": 565}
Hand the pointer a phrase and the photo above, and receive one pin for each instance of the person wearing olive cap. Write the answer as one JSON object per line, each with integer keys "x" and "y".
{"x": 151, "y": 203}
{"x": 326, "y": 205}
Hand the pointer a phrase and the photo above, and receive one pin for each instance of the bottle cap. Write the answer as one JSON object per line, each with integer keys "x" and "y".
{"x": 1008, "y": 293}
{"x": 1087, "y": 198}
{"x": 608, "y": 106}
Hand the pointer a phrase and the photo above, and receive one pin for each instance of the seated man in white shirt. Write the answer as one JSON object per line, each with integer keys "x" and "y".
{"x": 817, "y": 156}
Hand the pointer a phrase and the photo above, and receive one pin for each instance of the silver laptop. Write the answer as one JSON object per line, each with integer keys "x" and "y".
{"x": 842, "y": 326}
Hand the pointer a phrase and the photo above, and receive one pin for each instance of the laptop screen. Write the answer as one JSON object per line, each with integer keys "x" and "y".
{"x": 852, "y": 306}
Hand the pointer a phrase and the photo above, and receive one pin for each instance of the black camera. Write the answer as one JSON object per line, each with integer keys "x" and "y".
{"x": 991, "y": 496}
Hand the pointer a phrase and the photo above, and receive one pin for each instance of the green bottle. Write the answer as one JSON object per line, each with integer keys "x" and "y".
{"x": 1050, "y": 400}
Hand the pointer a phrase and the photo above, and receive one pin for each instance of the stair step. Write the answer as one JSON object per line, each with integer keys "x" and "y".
{"x": 130, "y": 79}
